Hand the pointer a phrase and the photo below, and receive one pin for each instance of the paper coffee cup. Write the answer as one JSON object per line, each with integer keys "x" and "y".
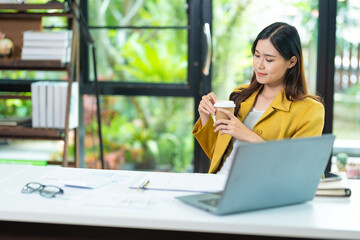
{"x": 226, "y": 105}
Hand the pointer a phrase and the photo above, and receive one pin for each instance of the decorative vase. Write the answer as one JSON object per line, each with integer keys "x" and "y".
{"x": 6, "y": 47}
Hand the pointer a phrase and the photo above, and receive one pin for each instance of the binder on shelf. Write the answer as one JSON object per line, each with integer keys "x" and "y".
{"x": 63, "y": 93}
{"x": 35, "y": 104}
{"x": 50, "y": 105}
{"x": 57, "y": 104}
{"x": 74, "y": 106}
{"x": 42, "y": 103}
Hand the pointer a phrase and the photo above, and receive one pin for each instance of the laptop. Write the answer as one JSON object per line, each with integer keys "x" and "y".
{"x": 269, "y": 174}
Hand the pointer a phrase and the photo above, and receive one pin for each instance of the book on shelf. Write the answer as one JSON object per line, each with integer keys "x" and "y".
{"x": 39, "y": 45}
{"x": 42, "y": 103}
{"x": 55, "y": 51}
{"x": 57, "y": 103}
{"x": 49, "y": 104}
{"x": 46, "y": 44}
{"x": 74, "y": 106}
{"x": 46, "y": 54}
{"x": 51, "y": 35}
{"x": 15, "y": 121}
{"x": 35, "y": 104}
{"x": 336, "y": 188}
{"x": 62, "y": 106}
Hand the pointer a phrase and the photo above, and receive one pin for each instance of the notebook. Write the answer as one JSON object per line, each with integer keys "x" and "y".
{"x": 269, "y": 174}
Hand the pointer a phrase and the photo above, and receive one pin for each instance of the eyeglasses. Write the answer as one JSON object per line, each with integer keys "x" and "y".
{"x": 48, "y": 191}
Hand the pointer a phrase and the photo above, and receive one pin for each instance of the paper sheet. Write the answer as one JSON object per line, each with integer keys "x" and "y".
{"x": 85, "y": 178}
{"x": 190, "y": 182}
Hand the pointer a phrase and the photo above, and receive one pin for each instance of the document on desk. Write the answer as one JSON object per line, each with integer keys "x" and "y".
{"x": 189, "y": 182}
{"x": 85, "y": 178}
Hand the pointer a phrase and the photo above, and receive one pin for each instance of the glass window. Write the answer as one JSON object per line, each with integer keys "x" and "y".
{"x": 140, "y": 41}
{"x": 346, "y": 124}
{"x": 141, "y": 55}
{"x": 155, "y": 13}
{"x": 236, "y": 25}
{"x": 141, "y": 133}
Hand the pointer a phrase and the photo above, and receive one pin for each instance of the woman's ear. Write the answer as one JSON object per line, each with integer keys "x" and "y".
{"x": 292, "y": 62}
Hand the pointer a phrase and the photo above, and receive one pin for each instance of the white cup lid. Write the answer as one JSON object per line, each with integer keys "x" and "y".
{"x": 225, "y": 104}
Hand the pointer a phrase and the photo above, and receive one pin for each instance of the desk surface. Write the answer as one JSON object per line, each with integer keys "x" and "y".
{"x": 116, "y": 205}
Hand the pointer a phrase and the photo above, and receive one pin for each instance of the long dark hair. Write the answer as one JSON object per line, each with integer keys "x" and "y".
{"x": 286, "y": 40}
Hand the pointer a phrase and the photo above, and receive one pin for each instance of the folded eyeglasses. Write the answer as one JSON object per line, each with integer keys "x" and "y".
{"x": 48, "y": 191}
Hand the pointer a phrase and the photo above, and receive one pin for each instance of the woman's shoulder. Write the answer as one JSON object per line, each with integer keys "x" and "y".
{"x": 309, "y": 102}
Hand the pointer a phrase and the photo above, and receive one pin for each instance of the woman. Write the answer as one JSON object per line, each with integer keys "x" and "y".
{"x": 275, "y": 105}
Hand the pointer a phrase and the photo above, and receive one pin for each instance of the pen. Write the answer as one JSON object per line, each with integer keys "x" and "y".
{"x": 144, "y": 184}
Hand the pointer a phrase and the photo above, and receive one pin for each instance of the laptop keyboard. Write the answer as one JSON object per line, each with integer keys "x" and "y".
{"x": 211, "y": 202}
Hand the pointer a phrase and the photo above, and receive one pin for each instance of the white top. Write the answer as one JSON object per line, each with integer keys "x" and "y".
{"x": 150, "y": 209}
{"x": 250, "y": 120}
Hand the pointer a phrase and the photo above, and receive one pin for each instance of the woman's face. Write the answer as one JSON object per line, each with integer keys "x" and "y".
{"x": 269, "y": 65}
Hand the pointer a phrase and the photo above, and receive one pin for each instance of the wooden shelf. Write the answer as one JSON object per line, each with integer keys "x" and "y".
{"x": 31, "y": 133}
{"x": 33, "y": 15}
{"x": 19, "y": 64}
{"x": 25, "y": 7}
{"x": 15, "y": 19}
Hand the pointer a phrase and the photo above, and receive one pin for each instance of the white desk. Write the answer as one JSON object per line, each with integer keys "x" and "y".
{"x": 34, "y": 216}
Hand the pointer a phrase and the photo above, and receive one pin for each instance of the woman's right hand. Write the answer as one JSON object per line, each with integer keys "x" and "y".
{"x": 206, "y": 107}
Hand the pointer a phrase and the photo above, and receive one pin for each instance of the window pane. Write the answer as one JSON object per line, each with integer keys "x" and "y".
{"x": 141, "y": 133}
{"x": 346, "y": 125}
{"x": 236, "y": 25}
{"x": 152, "y": 56}
{"x": 138, "y": 13}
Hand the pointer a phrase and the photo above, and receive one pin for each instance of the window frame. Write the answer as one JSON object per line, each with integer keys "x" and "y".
{"x": 199, "y": 12}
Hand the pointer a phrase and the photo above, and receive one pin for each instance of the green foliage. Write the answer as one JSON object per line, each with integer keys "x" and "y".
{"x": 150, "y": 61}
{"x": 353, "y": 89}
{"x": 15, "y": 107}
{"x": 149, "y": 132}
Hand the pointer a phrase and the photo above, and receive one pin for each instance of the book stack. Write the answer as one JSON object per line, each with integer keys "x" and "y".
{"x": 47, "y": 45}
{"x": 49, "y": 104}
{"x": 334, "y": 187}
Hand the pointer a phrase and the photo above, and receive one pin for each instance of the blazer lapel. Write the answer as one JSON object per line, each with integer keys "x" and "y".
{"x": 246, "y": 105}
{"x": 280, "y": 102}
{"x": 222, "y": 142}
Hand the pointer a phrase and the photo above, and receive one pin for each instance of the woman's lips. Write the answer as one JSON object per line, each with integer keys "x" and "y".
{"x": 260, "y": 74}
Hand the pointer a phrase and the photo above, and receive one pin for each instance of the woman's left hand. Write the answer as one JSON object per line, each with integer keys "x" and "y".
{"x": 235, "y": 128}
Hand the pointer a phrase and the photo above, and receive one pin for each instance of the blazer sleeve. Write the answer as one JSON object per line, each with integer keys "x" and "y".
{"x": 206, "y": 136}
{"x": 312, "y": 122}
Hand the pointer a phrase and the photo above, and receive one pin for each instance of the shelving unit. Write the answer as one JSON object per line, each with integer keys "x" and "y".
{"x": 14, "y": 23}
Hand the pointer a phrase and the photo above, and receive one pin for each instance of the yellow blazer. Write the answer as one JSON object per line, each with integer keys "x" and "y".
{"x": 283, "y": 119}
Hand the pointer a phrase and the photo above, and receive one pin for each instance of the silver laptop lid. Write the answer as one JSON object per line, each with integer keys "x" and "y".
{"x": 275, "y": 173}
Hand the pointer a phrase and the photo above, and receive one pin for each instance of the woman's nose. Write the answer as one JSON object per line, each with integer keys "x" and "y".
{"x": 260, "y": 63}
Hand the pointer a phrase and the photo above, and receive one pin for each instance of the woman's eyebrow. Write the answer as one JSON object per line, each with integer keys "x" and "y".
{"x": 268, "y": 55}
